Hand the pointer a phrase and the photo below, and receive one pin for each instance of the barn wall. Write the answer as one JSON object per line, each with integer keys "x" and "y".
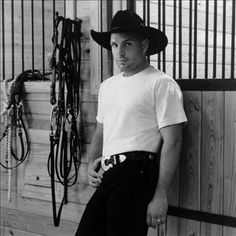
{"x": 206, "y": 177}
{"x": 200, "y": 40}
{"x": 29, "y": 211}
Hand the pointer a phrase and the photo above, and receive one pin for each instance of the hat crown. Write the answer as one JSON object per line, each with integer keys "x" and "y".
{"x": 126, "y": 19}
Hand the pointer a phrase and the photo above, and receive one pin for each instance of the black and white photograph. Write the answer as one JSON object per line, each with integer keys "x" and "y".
{"x": 117, "y": 118}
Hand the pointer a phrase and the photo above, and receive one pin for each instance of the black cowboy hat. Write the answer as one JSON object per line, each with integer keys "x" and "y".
{"x": 128, "y": 21}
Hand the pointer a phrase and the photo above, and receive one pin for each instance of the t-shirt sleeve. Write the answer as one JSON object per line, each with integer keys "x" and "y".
{"x": 100, "y": 116}
{"x": 169, "y": 103}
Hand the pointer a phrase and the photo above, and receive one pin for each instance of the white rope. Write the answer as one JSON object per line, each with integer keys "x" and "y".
{"x": 9, "y": 163}
{"x": 6, "y": 114}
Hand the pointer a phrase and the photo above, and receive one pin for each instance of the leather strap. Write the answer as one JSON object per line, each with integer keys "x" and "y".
{"x": 64, "y": 159}
{"x": 202, "y": 216}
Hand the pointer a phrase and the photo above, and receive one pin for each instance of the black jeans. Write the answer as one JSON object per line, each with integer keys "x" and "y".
{"x": 118, "y": 207}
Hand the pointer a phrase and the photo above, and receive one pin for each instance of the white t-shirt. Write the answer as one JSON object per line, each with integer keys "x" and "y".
{"x": 133, "y": 109}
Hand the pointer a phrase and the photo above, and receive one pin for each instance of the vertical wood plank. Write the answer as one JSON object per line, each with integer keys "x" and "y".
{"x": 190, "y": 162}
{"x": 173, "y": 199}
{"x": 116, "y": 6}
{"x": 212, "y": 159}
{"x": 229, "y": 160}
{"x": 95, "y": 49}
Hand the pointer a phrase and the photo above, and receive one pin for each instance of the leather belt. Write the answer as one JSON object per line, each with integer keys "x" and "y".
{"x": 108, "y": 162}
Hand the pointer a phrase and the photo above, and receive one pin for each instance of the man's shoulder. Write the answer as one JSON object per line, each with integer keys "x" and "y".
{"x": 161, "y": 77}
{"x": 163, "y": 81}
{"x": 110, "y": 80}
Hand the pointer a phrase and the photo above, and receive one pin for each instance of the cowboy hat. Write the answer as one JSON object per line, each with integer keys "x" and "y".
{"x": 128, "y": 21}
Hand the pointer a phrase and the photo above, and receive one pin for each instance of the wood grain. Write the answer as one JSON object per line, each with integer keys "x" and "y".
{"x": 229, "y": 160}
{"x": 212, "y": 158}
{"x": 190, "y": 162}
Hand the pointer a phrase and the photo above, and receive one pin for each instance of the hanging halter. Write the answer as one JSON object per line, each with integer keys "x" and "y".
{"x": 64, "y": 157}
{"x": 15, "y": 129}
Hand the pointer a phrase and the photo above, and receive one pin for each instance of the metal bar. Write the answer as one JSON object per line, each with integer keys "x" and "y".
{"x": 144, "y": 10}
{"x": 159, "y": 27}
{"x": 65, "y": 8}
{"x": 206, "y": 38}
{"x": 215, "y": 40}
{"x": 148, "y": 21}
{"x": 108, "y": 25}
{"x": 174, "y": 40}
{"x": 53, "y": 13}
{"x": 223, "y": 39}
{"x": 148, "y": 12}
{"x": 131, "y": 5}
{"x": 12, "y": 39}
{"x": 190, "y": 38}
{"x": 233, "y": 40}
{"x": 101, "y": 50}
{"x": 195, "y": 41}
{"x": 3, "y": 41}
{"x": 22, "y": 36}
{"x": 164, "y": 30}
{"x": 109, "y": 14}
{"x": 75, "y": 8}
{"x": 32, "y": 33}
{"x": 180, "y": 38}
{"x": 43, "y": 38}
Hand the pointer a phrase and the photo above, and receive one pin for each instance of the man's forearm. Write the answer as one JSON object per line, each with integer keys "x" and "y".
{"x": 96, "y": 145}
{"x": 169, "y": 161}
{"x": 170, "y": 155}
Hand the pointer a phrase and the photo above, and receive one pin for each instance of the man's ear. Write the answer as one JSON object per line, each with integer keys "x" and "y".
{"x": 145, "y": 45}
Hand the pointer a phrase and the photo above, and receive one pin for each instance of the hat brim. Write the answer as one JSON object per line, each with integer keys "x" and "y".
{"x": 157, "y": 39}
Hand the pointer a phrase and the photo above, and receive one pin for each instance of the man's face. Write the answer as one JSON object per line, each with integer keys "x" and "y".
{"x": 129, "y": 52}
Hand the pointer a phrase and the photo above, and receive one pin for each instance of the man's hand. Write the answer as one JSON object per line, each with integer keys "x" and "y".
{"x": 170, "y": 155}
{"x": 94, "y": 176}
{"x": 157, "y": 209}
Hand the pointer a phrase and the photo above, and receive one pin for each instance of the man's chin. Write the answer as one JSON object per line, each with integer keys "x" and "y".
{"x": 123, "y": 67}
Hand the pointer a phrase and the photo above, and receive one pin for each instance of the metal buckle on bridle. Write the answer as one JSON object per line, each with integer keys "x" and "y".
{"x": 53, "y": 117}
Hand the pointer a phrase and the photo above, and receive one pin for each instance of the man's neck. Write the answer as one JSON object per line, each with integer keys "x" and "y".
{"x": 139, "y": 69}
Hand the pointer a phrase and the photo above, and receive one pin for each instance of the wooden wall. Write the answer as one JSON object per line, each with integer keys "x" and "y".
{"x": 206, "y": 177}
{"x": 201, "y": 32}
{"x": 29, "y": 212}
{"x": 207, "y": 169}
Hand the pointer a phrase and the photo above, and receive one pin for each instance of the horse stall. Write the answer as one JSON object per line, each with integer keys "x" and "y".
{"x": 200, "y": 56}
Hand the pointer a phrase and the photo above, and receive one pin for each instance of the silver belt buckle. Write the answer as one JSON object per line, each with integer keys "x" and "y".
{"x": 104, "y": 166}
{"x": 106, "y": 159}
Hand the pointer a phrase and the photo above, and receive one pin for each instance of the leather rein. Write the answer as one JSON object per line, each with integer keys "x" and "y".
{"x": 13, "y": 112}
{"x": 14, "y": 134}
{"x": 65, "y": 155}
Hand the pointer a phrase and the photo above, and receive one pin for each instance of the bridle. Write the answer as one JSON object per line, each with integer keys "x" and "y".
{"x": 15, "y": 130}
{"x": 65, "y": 155}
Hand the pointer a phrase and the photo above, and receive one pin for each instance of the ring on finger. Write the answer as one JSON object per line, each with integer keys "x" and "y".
{"x": 158, "y": 221}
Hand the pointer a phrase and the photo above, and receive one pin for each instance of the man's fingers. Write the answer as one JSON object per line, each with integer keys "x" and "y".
{"x": 155, "y": 221}
{"x": 149, "y": 220}
{"x": 94, "y": 179}
{"x": 94, "y": 182}
{"x": 95, "y": 176}
{"x": 98, "y": 160}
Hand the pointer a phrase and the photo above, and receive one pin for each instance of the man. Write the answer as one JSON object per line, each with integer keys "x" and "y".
{"x": 137, "y": 141}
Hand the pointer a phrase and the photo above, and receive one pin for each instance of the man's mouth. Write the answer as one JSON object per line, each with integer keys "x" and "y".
{"x": 122, "y": 61}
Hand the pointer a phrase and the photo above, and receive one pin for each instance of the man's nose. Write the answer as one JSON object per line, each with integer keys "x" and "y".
{"x": 121, "y": 51}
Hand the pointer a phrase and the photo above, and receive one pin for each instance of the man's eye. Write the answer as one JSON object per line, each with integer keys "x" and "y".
{"x": 128, "y": 44}
{"x": 113, "y": 45}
